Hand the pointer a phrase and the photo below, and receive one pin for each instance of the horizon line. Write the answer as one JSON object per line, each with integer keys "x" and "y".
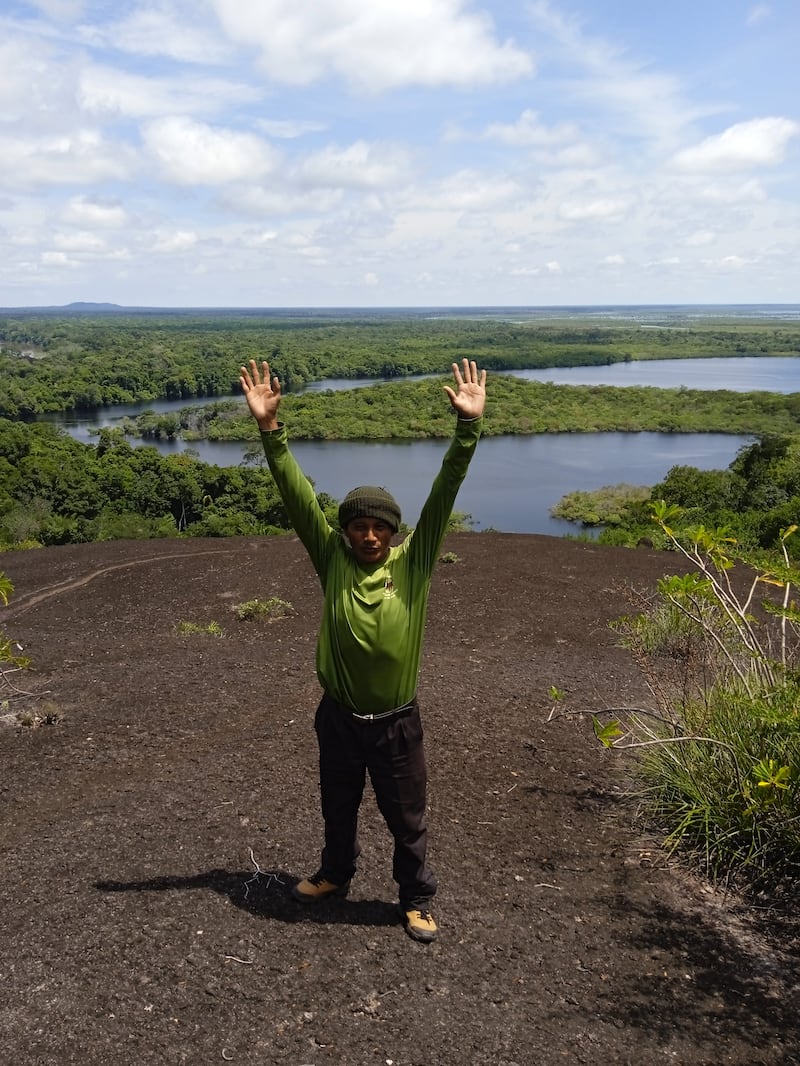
{"x": 99, "y": 305}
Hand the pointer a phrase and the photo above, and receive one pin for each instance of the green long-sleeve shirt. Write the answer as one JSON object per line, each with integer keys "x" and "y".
{"x": 373, "y": 617}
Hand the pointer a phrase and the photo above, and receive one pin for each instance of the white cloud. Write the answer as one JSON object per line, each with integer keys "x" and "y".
{"x": 759, "y": 142}
{"x": 726, "y": 262}
{"x": 260, "y": 239}
{"x": 248, "y": 139}
{"x": 193, "y": 153}
{"x": 61, "y": 10}
{"x": 722, "y": 192}
{"x": 78, "y": 242}
{"x": 177, "y": 241}
{"x": 529, "y": 131}
{"x": 276, "y": 200}
{"x": 37, "y": 86}
{"x": 303, "y": 244}
{"x": 377, "y": 45}
{"x": 700, "y": 237}
{"x": 162, "y": 31}
{"x": 58, "y": 259}
{"x": 465, "y": 190}
{"x": 595, "y": 209}
{"x": 670, "y": 260}
{"x": 288, "y": 129}
{"x": 360, "y": 166}
{"x": 607, "y": 80}
{"x": 84, "y": 211}
{"x": 79, "y": 157}
{"x": 108, "y": 90}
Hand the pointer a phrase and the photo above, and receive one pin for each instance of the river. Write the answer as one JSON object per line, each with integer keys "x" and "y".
{"x": 514, "y": 481}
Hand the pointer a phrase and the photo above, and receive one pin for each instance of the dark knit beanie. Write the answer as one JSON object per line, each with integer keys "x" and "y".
{"x": 369, "y": 501}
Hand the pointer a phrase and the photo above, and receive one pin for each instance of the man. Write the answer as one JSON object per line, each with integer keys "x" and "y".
{"x": 370, "y": 645}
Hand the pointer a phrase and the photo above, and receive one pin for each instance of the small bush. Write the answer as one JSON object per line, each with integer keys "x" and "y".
{"x": 449, "y": 557}
{"x": 720, "y": 752}
{"x": 269, "y": 609}
{"x": 47, "y": 714}
{"x": 21, "y": 545}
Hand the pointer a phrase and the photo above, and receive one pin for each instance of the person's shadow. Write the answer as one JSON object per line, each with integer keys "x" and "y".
{"x": 266, "y": 894}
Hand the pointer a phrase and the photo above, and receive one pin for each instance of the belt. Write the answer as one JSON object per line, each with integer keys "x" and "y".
{"x": 395, "y": 713}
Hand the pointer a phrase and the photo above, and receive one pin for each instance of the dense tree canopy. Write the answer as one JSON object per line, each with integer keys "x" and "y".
{"x": 74, "y": 362}
{"x": 54, "y": 490}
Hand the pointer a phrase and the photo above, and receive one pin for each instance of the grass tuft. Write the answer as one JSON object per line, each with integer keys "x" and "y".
{"x": 270, "y": 609}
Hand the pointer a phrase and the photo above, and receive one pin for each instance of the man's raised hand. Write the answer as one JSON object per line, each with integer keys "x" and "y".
{"x": 263, "y": 394}
{"x": 470, "y": 398}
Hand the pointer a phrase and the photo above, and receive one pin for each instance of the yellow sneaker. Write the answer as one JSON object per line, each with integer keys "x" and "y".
{"x": 317, "y": 888}
{"x": 419, "y": 924}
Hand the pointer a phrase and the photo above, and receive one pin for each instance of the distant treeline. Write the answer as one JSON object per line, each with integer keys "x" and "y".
{"x": 80, "y": 362}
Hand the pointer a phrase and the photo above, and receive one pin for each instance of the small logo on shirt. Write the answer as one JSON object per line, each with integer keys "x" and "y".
{"x": 389, "y": 591}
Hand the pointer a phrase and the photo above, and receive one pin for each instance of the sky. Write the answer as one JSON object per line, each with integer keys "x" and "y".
{"x": 399, "y": 153}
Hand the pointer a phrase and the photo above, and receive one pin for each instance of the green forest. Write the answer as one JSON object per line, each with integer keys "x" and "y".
{"x": 76, "y": 362}
{"x": 54, "y": 490}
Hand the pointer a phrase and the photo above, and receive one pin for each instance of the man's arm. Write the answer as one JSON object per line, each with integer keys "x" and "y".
{"x": 263, "y": 395}
{"x": 468, "y": 400}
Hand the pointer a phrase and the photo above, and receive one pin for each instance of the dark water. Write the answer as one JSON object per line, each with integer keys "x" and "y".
{"x": 514, "y": 481}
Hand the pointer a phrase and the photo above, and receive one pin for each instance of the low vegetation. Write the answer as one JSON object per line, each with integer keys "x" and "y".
{"x": 753, "y": 500}
{"x": 187, "y": 628}
{"x": 19, "y": 706}
{"x": 600, "y": 507}
{"x": 719, "y": 751}
{"x": 269, "y": 609}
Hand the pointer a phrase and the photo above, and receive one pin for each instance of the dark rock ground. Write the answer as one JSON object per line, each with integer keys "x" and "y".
{"x": 151, "y": 833}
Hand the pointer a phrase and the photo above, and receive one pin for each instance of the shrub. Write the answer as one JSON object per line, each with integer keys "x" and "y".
{"x": 720, "y": 752}
{"x": 270, "y": 609}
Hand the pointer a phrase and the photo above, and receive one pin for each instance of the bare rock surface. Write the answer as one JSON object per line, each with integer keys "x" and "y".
{"x": 156, "y": 816}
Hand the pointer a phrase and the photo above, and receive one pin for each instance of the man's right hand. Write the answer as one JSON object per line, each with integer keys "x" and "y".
{"x": 263, "y": 396}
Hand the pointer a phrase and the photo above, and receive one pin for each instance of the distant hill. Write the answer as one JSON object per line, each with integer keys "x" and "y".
{"x": 88, "y": 306}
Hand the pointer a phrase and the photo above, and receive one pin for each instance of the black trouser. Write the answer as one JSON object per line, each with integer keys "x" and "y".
{"x": 391, "y": 751}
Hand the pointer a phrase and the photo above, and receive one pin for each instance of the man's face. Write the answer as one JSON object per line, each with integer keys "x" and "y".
{"x": 369, "y": 539}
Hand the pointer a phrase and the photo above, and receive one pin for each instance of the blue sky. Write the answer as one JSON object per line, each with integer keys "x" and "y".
{"x": 280, "y": 153}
